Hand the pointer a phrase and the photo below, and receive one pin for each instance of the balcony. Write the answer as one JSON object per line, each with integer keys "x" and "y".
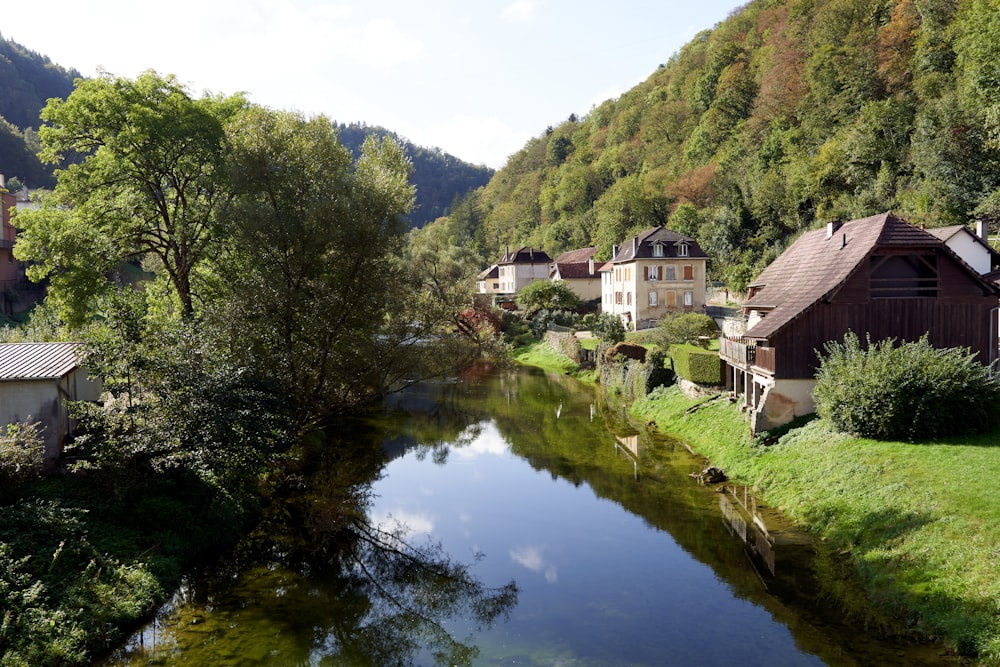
{"x": 747, "y": 355}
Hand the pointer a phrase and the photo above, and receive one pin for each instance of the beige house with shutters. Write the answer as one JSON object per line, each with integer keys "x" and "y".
{"x": 654, "y": 273}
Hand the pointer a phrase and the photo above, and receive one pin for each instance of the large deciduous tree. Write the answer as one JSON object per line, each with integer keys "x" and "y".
{"x": 310, "y": 276}
{"x": 146, "y": 182}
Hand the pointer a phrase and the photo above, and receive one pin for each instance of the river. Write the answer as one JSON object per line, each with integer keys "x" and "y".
{"x": 511, "y": 518}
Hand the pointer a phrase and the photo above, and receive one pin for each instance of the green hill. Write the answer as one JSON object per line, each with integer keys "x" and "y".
{"x": 788, "y": 114}
{"x": 27, "y": 81}
{"x": 440, "y": 178}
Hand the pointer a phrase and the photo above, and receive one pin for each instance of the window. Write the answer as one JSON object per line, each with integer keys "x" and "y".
{"x": 628, "y": 298}
{"x": 652, "y": 299}
{"x": 652, "y": 272}
{"x": 689, "y": 298}
{"x": 904, "y": 276}
{"x": 688, "y": 272}
{"x": 682, "y": 250}
{"x": 657, "y": 250}
{"x": 671, "y": 299}
{"x": 618, "y": 274}
{"x": 618, "y": 298}
{"x": 496, "y": 286}
{"x": 671, "y": 273}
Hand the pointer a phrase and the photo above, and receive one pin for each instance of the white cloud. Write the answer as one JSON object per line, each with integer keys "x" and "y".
{"x": 410, "y": 523}
{"x": 521, "y": 11}
{"x": 487, "y": 141}
{"x": 532, "y": 559}
{"x": 382, "y": 44}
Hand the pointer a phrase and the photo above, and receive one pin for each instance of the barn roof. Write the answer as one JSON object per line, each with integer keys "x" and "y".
{"x": 38, "y": 361}
{"x": 819, "y": 262}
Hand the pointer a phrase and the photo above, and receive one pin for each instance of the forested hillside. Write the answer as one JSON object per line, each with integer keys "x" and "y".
{"x": 788, "y": 114}
{"x": 440, "y": 178}
{"x": 27, "y": 80}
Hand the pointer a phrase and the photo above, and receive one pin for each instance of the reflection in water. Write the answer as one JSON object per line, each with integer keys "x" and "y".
{"x": 618, "y": 557}
{"x": 319, "y": 583}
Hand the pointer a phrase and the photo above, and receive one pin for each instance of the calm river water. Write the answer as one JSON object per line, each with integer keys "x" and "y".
{"x": 521, "y": 479}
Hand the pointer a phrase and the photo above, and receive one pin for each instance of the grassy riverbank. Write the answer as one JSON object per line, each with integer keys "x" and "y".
{"x": 540, "y": 354}
{"x": 912, "y": 530}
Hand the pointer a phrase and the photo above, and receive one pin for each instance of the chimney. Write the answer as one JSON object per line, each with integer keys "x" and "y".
{"x": 3, "y": 182}
{"x": 983, "y": 231}
{"x": 531, "y": 254}
{"x": 832, "y": 227}
{"x": 843, "y": 242}
{"x": 614, "y": 251}
{"x": 590, "y": 265}
{"x": 635, "y": 246}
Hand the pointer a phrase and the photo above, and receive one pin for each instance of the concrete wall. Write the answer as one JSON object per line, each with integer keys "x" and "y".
{"x": 44, "y": 401}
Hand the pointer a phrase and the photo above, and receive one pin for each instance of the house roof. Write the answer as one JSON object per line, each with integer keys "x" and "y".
{"x": 818, "y": 263}
{"x": 582, "y": 255}
{"x": 948, "y": 233}
{"x": 525, "y": 255}
{"x": 575, "y": 265}
{"x": 492, "y": 272}
{"x": 641, "y": 246}
{"x": 38, "y": 361}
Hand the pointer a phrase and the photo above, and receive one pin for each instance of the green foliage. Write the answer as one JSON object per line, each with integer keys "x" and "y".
{"x": 609, "y": 328}
{"x": 439, "y": 178}
{"x": 690, "y": 328}
{"x": 150, "y": 184}
{"x": 22, "y": 454}
{"x": 546, "y": 295}
{"x": 697, "y": 364}
{"x": 782, "y": 117}
{"x": 909, "y": 391}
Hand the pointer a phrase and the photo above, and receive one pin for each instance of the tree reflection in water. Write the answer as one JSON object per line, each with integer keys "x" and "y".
{"x": 318, "y": 583}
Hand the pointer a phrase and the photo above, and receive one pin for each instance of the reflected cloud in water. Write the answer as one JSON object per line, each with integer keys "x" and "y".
{"x": 532, "y": 558}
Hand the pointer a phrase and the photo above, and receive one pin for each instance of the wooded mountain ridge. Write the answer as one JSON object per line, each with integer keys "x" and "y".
{"x": 788, "y": 114}
{"x": 28, "y": 79}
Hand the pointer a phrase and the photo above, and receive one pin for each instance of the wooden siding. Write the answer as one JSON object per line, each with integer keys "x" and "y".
{"x": 961, "y": 322}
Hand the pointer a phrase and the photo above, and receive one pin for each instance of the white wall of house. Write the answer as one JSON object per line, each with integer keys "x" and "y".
{"x": 971, "y": 251}
{"x": 44, "y": 401}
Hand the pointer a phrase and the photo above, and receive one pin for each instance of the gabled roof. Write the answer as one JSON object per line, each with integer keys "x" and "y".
{"x": 492, "y": 272}
{"x": 948, "y": 233}
{"x": 641, "y": 246}
{"x": 575, "y": 264}
{"x": 38, "y": 361}
{"x": 818, "y": 264}
{"x": 525, "y": 255}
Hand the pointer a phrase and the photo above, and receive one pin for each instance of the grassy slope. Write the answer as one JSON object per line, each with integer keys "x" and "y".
{"x": 541, "y": 354}
{"x": 917, "y": 525}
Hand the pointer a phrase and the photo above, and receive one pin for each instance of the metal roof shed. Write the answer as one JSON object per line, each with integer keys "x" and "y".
{"x": 36, "y": 380}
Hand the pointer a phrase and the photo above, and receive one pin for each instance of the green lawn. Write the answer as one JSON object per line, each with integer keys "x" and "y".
{"x": 917, "y": 525}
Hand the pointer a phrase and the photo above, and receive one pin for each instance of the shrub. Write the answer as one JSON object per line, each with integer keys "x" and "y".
{"x": 22, "y": 454}
{"x": 905, "y": 391}
{"x": 697, "y": 365}
{"x": 627, "y": 350}
{"x": 687, "y": 328}
{"x": 546, "y": 295}
{"x": 609, "y": 328}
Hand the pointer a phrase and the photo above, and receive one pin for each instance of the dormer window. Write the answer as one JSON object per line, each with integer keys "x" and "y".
{"x": 682, "y": 249}
{"x": 657, "y": 250}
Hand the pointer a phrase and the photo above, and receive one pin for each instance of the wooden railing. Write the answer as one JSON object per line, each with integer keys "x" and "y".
{"x": 742, "y": 354}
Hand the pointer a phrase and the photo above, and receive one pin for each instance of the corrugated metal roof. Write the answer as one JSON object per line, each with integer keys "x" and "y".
{"x": 38, "y": 361}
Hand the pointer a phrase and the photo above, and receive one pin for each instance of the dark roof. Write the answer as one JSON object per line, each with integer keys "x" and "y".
{"x": 582, "y": 255}
{"x": 947, "y": 233}
{"x": 641, "y": 246}
{"x": 575, "y": 264}
{"x": 492, "y": 272}
{"x": 817, "y": 264}
{"x": 38, "y": 361}
{"x": 525, "y": 255}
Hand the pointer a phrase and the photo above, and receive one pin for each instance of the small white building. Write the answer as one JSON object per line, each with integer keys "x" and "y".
{"x": 36, "y": 381}
{"x": 522, "y": 267}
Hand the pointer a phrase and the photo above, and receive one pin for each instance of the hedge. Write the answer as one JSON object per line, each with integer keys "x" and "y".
{"x": 697, "y": 364}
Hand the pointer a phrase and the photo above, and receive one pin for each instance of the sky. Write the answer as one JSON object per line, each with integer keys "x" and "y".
{"x": 475, "y": 78}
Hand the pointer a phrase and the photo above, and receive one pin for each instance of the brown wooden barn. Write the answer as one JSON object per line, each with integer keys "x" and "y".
{"x": 878, "y": 276}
